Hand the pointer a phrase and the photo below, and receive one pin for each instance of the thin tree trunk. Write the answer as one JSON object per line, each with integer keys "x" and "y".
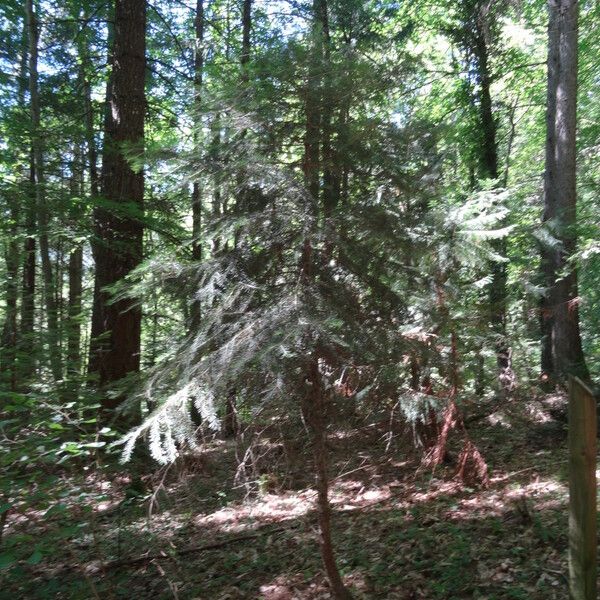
{"x": 560, "y": 312}
{"x": 75, "y": 271}
{"x": 97, "y": 328}
{"x": 314, "y": 411}
{"x": 490, "y": 169}
{"x": 75, "y": 290}
{"x": 312, "y": 107}
{"x": 40, "y": 195}
{"x": 246, "y": 32}
{"x": 546, "y": 262}
{"x": 118, "y": 249}
{"x": 313, "y": 406}
{"x": 247, "y": 199}
{"x": 196, "y": 107}
{"x": 218, "y": 206}
{"x": 92, "y": 153}
{"x": 8, "y": 337}
{"x": 26, "y": 333}
{"x": 331, "y": 179}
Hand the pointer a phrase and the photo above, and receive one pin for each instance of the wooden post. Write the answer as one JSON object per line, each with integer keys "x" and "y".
{"x": 582, "y": 491}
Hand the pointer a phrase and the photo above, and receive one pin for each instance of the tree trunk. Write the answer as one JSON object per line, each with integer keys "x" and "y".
{"x": 196, "y": 106}
{"x": 218, "y": 205}
{"x": 246, "y": 31}
{"x": 560, "y": 311}
{"x": 75, "y": 271}
{"x": 246, "y": 198}
{"x": 26, "y": 330}
{"x": 331, "y": 174}
{"x": 312, "y": 107}
{"x": 40, "y": 196}
{"x": 97, "y": 320}
{"x": 490, "y": 169}
{"x": 118, "y": 247}
{"x": 75, "y": 290}
{"x": 8, "y": 337}
{"x": 314, "y": 410}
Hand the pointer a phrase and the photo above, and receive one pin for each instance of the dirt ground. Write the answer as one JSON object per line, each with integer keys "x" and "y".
{"x": 400, "y": 532}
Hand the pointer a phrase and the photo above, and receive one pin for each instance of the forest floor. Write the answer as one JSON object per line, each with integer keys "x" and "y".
{"x": 400, "y": 532}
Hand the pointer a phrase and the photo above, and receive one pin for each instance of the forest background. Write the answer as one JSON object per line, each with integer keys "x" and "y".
{"x": 263, "y": 222}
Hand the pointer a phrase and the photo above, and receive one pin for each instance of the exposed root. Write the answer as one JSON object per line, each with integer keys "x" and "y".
{"x": 472, "y": 468}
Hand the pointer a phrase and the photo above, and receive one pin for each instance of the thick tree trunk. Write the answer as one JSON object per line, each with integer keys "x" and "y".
{"x": 118, "y": 247}
{"x": 560, "y": 311}
{"x": 40, "y": 196}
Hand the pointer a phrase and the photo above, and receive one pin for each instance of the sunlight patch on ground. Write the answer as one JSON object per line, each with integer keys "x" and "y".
{"x": 271, "y": 508}
{"x": 499, "y": 418}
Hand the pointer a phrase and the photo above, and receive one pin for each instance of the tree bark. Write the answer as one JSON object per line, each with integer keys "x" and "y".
{"x": 490, "y": 169}
{"x": 312, "y": 107}
{"x": 562, "y": 352}
{"x": 8, "y": 337}
{"x": 26, "y": 329}
{"x": 75, "y": 271}
{"x": 97, "y": 319}
{"x": 40, "y": 197}
{"x": 118, "y": 247}
{"x": 314, "y": 410}
{"x": 196, "y": 195}
{"x": 247, "y": 198}
{"x": 246, "y": 32}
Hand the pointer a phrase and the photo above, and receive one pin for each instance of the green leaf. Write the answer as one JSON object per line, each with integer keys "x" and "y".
{"x": 94, "y": 445}
{"x": 56, "y": 508}
{"x": 35, "y": 558}
{"x": 6, "y": 560}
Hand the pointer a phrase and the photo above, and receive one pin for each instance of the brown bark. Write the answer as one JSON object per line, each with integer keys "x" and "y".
{"x": 562, "y": 352}
{"x": 331, "y": 179}
{"x": 247, "y": 199}
{"x": 75, "y": 274}
{"x": 312, "y": 106}
{"x": 43, "y": 217}
{"x": 246, "y": 32}
{"x": 97, "y": 318}
{"x": 8, "y": 337}
{"x": 26, "y": 329}
{"x": 490, "y": 169}
{"x": 25, "y": 334}
{"x": 75, "y": 290}
{"x": 196, "y": 195}
{"x": 314, "y": 411}
{"x": 119, "y": 236}
{"x": 9, "y": 340}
